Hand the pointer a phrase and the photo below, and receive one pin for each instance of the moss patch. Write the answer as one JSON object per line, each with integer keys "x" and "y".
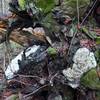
{"x": 91, "y": 80}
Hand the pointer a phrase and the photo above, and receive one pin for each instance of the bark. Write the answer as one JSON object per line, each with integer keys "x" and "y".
{"x": 21, "y": 37}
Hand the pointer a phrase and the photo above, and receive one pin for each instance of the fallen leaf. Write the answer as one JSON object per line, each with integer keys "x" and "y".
{"x": 87, "y": 43}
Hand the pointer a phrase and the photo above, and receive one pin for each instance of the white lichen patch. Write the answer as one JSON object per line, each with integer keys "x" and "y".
{"x": 13, "y": 67}
{"x": 84, "y": 60}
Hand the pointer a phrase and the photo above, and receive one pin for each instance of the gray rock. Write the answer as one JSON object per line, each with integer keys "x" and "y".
{"x": 84, "y": 60}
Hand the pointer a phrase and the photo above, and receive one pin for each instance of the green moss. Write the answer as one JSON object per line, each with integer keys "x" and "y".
{"x": 22, "y": 4}
{"x": 98, "y": 40}
{"x": 45, "y": 5}
{"x": 51, "y": 51}
{"x": 91, "y": 80}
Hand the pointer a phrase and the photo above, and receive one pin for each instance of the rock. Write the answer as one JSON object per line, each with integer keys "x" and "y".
{"x": 39, "y": 33}
{"x": 30, "y": 30}
{"x": 13, "y": 67}
{"x": 91, "y": 80}
{"x": 84, "y": 60}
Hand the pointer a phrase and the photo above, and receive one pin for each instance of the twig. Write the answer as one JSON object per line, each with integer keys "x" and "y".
{"x": 8, "y": 54}
{"x": 3, "y": 68}
{"x": 78, "y": 13}
{"x": 78, "y": 16}
{"x": 29, "y": 76}
{"x": 71, "y": 43}
{"x": 88, "y": 13}
{"x": 94, "y": 95}
{"x": 15, "y": 80}
{"x": 52, "y": 78}
{"x": 36, "y": 90}
{"x": 4, "y": 62}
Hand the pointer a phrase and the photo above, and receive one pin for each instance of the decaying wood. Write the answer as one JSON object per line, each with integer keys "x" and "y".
{"x": 22, "y": 37}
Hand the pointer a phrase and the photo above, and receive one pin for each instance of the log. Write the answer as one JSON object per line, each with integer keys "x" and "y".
{"x": 23, "y": 38}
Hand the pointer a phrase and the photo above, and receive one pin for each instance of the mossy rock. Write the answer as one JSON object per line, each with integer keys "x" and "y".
{"x": 91, "y": 80}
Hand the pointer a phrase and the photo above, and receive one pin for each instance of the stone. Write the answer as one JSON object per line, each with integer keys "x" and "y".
{"x": 13, "y": 67}
{"x": 84, "y": 60}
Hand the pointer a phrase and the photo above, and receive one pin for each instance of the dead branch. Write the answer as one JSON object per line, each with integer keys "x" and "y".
{"x": 21, "y": 37}
{"x": 36, "y": 90}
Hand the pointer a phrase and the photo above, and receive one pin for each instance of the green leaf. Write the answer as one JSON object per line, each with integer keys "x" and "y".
{"x": 90, "y": 34}
{"x": 45, "y": 5}
{"x": 97, "y": 55}
{"x": 91, "y": 80}
{"x": 50, "y": 23}
{"x": 47, "y": 20}
{"x": 22, "y": 4}
{"x": 98, "y": 40}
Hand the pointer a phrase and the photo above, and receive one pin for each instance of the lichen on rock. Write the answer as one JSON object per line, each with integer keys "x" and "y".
{"x": 84, "y": 60}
